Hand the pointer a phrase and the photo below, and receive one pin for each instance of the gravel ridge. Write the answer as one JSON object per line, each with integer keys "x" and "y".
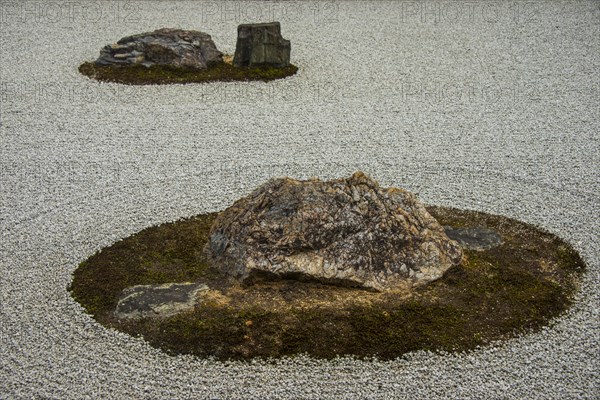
{"x": 495, "y": 110}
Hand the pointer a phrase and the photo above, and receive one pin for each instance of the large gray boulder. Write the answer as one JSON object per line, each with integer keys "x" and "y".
{"x": 345, "y": 231}
{"x": 261, "y": 45}
{"x": 175, "y": 47}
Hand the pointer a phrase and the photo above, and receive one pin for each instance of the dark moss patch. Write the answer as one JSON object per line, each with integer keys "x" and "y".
{"x": 161, "y": 75}
{"x": 515, "y": 288}
{"x": 156, "y": 255}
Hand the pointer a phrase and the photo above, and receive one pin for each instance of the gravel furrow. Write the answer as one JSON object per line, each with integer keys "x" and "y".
{"x": 485, "y": 105}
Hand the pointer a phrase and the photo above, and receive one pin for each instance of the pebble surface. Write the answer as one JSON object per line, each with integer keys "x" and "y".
{"x": 491, "y": 106}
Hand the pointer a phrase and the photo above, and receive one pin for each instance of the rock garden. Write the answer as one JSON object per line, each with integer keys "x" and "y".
{"x": 329, "y": 268}
{"x": 167, "y": 56}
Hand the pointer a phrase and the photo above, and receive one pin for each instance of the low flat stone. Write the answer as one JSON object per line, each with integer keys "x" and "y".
{"x": 474, "y": 238}
{"x": 146, "y": 301}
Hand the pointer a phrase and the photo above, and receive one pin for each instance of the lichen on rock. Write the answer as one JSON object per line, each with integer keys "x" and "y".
{"x": 344, "y": 231}
{"x": 166, "y": 46}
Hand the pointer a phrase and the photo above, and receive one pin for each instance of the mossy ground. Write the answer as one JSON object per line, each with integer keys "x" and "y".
{"x": 160, "y": 75}
{"x": 495, "y": 294}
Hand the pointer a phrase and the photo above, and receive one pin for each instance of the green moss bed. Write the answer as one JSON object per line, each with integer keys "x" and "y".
{"x": 496, "y": 294}
{"x": 161, "y": 75}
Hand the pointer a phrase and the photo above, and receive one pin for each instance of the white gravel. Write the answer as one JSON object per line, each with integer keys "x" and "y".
{"x": 484, "y": 105}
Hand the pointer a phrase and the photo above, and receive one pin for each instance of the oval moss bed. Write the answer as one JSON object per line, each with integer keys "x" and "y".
{"x": 494, "y": 294}
{"x": 164, "y": 74}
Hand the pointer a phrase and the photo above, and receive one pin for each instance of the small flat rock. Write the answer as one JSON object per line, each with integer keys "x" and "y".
{"x": 474, "y": 238}
{"x": 146, "y": 301}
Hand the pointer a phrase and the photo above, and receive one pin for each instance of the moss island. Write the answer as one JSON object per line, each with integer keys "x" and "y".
{"x": 495, "y": 294}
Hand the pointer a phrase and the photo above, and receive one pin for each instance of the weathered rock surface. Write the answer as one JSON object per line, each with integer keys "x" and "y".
{"x": 345, "y": 231}
{"x": 474, "y": 238}
{"x": 176, "y": 47}
{"x": 261, "y": 44}
{"x": 143, "y": 301}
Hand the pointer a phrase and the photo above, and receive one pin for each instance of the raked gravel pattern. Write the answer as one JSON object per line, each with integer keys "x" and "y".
{"x": 482, "y": 105}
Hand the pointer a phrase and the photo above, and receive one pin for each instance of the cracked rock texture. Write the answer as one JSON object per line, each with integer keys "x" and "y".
{"x": 175, "y": 47}
{"x": 344, "y": 231}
